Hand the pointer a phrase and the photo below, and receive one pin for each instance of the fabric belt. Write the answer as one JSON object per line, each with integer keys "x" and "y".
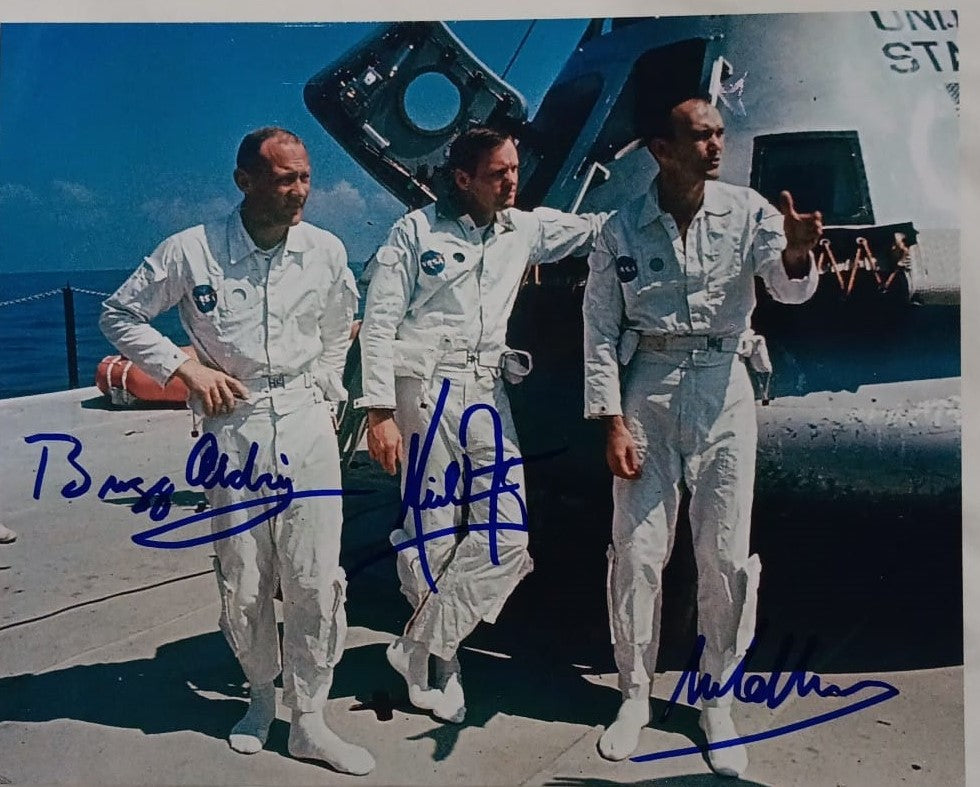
{"x": 687, "y": 343}
{"x": 271, "y": 382}
{"x": 512, "y": 365}
{"x": 488, "y": 358}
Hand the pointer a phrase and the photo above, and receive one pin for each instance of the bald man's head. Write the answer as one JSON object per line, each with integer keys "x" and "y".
{"x": 689, "y": 139}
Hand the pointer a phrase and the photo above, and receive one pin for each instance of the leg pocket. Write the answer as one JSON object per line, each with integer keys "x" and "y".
{"x": 227, "y": 595}
{"x": 610, "y": 572}
{"x": 338, "y": 619}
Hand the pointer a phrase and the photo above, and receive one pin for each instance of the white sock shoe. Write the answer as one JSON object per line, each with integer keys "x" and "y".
{"x": 249, "y": 735}
{"x": 410, "y": 660}
{"x": 718, "y": 726}
{"x": 622, "y": 737}
{"x": 452, "y": 706}
{"x": 311, "y": 739}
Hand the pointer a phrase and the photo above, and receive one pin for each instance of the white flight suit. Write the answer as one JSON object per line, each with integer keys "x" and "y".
{"x": 437, "y": 309}
{"x": 690, "y": 411}
{"x": 280, "y": 323}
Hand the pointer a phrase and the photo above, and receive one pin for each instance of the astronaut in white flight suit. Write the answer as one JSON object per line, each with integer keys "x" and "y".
{"x": 268, "y": 302}
{"x": 667, "y": 309}
{"x": 437, "y": 310}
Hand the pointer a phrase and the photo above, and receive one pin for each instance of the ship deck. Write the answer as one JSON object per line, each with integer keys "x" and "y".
{"x": 112, "y": 670}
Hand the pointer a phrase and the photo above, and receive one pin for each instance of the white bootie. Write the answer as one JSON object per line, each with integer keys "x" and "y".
{"x": 410, "y": 660}
{"x": 452, "y": 705}
{"x": 7, "y": 536}
{"x": 252, "y": 730}
{"x": 311, "y": 739}
{"x": 622, "y": 737}
{"x": 718, "y": 727}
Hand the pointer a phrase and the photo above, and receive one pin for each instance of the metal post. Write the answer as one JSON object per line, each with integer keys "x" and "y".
{"x": 71, "y": 345}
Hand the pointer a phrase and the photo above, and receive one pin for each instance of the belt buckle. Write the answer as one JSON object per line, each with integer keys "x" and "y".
{"x": 714, "y": 343}
{"x": 276, "y": 380}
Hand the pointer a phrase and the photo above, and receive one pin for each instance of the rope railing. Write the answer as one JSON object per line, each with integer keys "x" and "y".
{"x": 48, "y": 293}
{"x": 28, "y": 298}
{"x": 96, "y": 293}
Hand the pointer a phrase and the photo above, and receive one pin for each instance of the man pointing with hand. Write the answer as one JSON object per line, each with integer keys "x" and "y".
{"x": 667, "y": 307}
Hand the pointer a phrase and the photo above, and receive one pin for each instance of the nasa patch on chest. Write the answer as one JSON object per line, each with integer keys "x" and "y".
{"x": 626, "y": 269}
{"x": 205, "y": 298}
{"x": 432, "y": 262}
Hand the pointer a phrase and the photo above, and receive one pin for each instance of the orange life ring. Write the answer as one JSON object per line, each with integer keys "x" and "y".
{"x": 125, "y": 383}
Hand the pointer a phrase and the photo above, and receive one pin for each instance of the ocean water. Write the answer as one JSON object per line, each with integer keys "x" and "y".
{"x": 32, "y": 334}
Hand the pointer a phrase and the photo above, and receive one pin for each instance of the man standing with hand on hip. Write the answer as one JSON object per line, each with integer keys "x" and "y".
{"x": 436, "y": 315}
{"x": 268, "y": 302}
{"x": 667, "y": 307}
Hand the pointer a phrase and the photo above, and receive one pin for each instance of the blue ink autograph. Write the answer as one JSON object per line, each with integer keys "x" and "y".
{"x": 414, "y": 501}
{"x": 759, "y": 690}
{"x": 207, "y": 468}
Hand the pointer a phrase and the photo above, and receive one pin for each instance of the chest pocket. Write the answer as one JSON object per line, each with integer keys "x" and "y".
{"x": 308, "y": 309}
{"x": 240, "y": 300}
{"x": 723, "y": 246}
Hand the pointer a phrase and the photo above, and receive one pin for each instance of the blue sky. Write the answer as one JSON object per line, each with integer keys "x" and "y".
{"x": 113, "y": 136}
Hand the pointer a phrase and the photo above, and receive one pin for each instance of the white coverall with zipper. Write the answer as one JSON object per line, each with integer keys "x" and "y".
{"x": 437, "y": 309}
{"x": 278, "y": 321}
{"x": 690, "y": 410}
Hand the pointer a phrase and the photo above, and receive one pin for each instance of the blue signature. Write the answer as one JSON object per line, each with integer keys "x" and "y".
{"x": 414, "y": 501}
{"x": 206, "y": 468}
{"x": 756, "y": 689}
